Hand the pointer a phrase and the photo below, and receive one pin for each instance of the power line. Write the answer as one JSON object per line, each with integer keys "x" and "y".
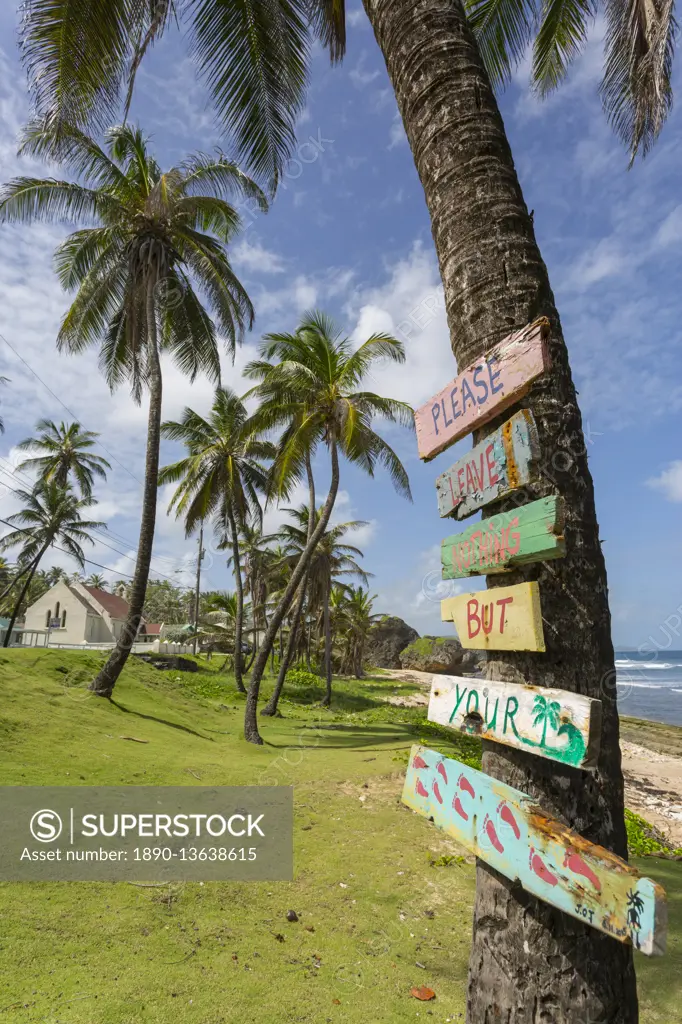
{"x": 24, "y": 480}
{"x": 116, "y": 550}
{"x": 64, "y": 551}
{"x": 70, "y": 412}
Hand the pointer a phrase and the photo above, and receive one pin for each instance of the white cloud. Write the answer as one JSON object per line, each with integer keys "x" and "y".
{"x": 669, "y": 481}
{"x": 410, "y": 306}
{"x": 670, "y": 229}
{"x": 397, "y": 136}
{"x": 254, "y": 257}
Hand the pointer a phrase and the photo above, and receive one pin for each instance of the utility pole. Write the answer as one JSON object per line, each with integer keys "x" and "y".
{"x": 198, "y": 586}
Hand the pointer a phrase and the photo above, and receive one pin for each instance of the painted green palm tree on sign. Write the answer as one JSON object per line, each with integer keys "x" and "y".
{"x": 158, "y": 244}
{"x": 546, "y": 713}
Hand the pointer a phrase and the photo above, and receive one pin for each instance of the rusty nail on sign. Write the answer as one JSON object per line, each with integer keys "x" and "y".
{"x": 483, "y": 390}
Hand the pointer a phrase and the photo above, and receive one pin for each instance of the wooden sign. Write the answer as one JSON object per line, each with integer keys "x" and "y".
{"x": 492, "y": 469}
{"x": 530, "y": 533}
{"x": 507, "y": 830}
{"x": 556, "y": 724}
{"x": 483, "y": 390}
{"x": 501, "y": 619}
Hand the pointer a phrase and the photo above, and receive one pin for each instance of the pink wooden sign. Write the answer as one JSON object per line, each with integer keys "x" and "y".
{"x": 483, "y": 390}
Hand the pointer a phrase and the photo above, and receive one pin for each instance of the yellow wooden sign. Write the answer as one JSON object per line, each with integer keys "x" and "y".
{"x": 501, "y": 619}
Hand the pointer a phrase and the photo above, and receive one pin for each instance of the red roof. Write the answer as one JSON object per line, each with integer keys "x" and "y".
{"x": 112, "y": 603}
{"x": 152, "y": 627}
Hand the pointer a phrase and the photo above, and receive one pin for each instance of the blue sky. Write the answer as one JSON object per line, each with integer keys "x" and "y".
{"x": 349, "y": 233}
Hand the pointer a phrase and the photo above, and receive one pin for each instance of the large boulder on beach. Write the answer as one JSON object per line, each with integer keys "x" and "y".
{"x": 440, "y": 654}
{"x": 387, "y": 638}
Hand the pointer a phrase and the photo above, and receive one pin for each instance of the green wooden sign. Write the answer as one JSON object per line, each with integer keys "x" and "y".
{"x": 531, "y": 533}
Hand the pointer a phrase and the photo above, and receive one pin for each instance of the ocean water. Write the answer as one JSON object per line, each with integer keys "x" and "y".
{"x": 650, "y": 685}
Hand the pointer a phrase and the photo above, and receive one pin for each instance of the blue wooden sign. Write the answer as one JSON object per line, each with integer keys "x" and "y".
{"x": 507, "y": 830}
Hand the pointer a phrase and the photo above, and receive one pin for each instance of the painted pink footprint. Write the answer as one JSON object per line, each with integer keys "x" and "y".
{"x": 440, "y": 768}
{"x": 420, "y": 790}
{"x": 492, "y": 834}
{"x": 506, "y": 815}
{"x": 465, "y": 785}
{"x": 538, "y": 866}
{"x": 436, "y": 792}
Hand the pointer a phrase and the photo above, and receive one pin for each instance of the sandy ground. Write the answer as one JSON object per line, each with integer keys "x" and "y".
{"x": 653, "y": 781}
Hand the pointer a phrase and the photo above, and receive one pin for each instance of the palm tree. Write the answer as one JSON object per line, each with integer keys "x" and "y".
{"x": 308, "y": 385}
{"x": 546, "y": 713}
{"x": 636, "y": 88}
{"x": 51, "y": 515}
{"x": 65, "y": 451}
{"x": 96, "y": 580}
{"x": 221, "y": 476}
{"x": 353, "y": 618}
{"x": 253, "y": 58}
{"x": 158, "y": 235}
{"x": 494, "y": 280}
{"x": 331, "y": 561}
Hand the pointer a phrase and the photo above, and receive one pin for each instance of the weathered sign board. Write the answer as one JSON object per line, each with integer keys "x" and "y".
{"x": 500, "y": 464}
{"x": 556, "y": 724}
{"x": 530, "y": 533}
{"x": 502, "y": 619}
{"x": 483, "y": 390}
{"x": 507, "y": 830}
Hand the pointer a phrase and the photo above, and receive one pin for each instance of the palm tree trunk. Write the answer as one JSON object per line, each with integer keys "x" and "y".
{"x": 526, "y": 956}
{"x": 250, "y": 717}
{"x": 22, "y": 595}
{"x": 16, "y": 579}
{"x": 103, "y": 684}
{"x": 239, "y": 588}
{"x": 270, "y": 708}
{"x": 326, "y": 702}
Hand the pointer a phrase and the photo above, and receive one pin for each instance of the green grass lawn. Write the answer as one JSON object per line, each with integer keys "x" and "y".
{"x": 376, "y": 916}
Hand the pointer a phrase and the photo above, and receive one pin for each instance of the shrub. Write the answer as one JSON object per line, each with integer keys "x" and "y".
{"x": 301, "y": 677}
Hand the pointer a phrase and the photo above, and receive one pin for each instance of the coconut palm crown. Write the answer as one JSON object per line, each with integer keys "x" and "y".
{"x": 63, "y": 450}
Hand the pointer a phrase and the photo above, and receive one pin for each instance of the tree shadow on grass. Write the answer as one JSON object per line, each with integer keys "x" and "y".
{"x": 161, "y": 721}
{"x": 350, "y": 738}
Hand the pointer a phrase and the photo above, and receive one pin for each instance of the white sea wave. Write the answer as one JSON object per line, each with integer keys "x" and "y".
{"x": 626, "y": 663}
{"x": 642, "y": 686}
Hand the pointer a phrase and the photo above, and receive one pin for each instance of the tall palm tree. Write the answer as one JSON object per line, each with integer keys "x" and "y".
{"x": 159, "y": 234}
{"x": 64, "y": 452}
{"x": 308, "y": 385}
{"x": 220, "y": 477}
{"x": 332, "y": 560}
{"x": 494, "y": 280}
{"x": 353, "y": 618}
{"x": 253, "y": 57}
{"x": 50, "y": 515}
{"x": 636, "y": 88}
